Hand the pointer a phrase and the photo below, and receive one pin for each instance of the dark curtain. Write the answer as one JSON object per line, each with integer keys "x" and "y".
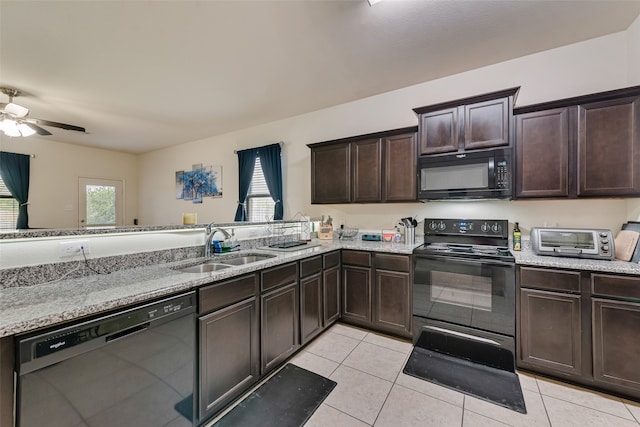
{"x": 246, "y": 163}
{"x": 272, "y": 168}
{"x": 14, "y": 170}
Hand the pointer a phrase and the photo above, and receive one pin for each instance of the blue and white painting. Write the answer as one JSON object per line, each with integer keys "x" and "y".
{"x": 200, "y": 181}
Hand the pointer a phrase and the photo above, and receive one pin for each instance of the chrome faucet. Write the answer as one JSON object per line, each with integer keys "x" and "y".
{"x": 209, "y": 232}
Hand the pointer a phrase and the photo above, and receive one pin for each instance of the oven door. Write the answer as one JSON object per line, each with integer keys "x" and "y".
{"x": 474, "y": 293}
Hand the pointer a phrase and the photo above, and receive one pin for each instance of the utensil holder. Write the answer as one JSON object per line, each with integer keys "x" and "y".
{"x": 410, "y": 235}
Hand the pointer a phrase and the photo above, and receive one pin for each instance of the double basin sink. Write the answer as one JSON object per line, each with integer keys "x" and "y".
{"x": 224, "y": 261}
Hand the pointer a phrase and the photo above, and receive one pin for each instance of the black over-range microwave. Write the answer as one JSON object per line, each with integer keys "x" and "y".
{"x": 469, "y": 175}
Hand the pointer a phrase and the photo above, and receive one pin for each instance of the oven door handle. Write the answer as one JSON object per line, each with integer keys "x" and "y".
{"x": 487, "y": 263}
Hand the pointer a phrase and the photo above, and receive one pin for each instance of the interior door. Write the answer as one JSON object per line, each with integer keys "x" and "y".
{"x": 100, "y": 202}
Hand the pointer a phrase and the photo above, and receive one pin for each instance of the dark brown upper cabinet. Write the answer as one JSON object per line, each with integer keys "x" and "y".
{"x": 586, "y": 146}
{"x": 331, "y": 174}
{"x": 473, "y": 123}
{"x": 372, "y": 168}
{"x": 609, "y": 147}
{"x": 542, "y": 153}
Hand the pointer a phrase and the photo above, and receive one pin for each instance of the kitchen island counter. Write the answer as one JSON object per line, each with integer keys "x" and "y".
{"x": 27, "y": 308}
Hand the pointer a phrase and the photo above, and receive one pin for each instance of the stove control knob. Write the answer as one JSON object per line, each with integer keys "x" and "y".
{"x": 433, "y": 225}
{"x": 484, "y": 227}
{"x": 605, "y": 248}
{"x": 604, "y": 241}
{"x": 603, "y": 234}
{"x": 496, "y": 228}
{"x": 442, "y": 226}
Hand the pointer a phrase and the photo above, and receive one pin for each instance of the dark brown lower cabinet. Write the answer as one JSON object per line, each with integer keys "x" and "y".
{"x": 331, "y": 298}
{"x": 311, "y": 316}
{"x": 550, "y": 331}
{"x": 356, "y": 294}
{"x": 229, "y": 354}
{"x": 6, "y": 381}
{"x": 376, "y": 291}
{"x": 616, "y": 342}
{"x": 279, "y": 335}
{"x": 393, "y": 301}
{"x": 580, "y": 326}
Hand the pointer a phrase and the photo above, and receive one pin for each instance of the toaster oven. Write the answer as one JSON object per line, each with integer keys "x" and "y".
{"x": 573, "y": 242}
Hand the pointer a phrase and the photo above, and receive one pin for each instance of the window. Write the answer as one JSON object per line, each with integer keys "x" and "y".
{"x": 8, "y": 208}
{"x": 260, "y": 205}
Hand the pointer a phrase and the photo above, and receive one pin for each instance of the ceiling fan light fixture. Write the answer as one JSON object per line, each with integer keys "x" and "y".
{"x": 10, "y": 128}
{"x": 16, "y": 110}
{"x": 25, "y": 129}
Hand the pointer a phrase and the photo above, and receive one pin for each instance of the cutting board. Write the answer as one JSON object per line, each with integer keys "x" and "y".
{"x": 625, "y": 244}
{"x": 635, "y": 226}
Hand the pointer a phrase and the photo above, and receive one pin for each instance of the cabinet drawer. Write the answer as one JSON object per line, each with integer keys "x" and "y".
{"x": 228, "y": 292}
{"x": 393, "y": 262}
{"x": 616, "y": 286}
{"x": 279, "y": 276}
{"x": 311, "y": 266}
{"x": 332, "y": 259}
{"x": 555, "y": 280}
{"x": 359, "y": 258}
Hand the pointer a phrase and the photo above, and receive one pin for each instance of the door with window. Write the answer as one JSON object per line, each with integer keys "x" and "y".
{"x": 100, "y": 202}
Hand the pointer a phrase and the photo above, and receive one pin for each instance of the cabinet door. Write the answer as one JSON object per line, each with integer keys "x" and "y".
{"x": 229, "y": 355}
{"x": 279, "y": 337}
{"x": 331, "y": 174}
{"x": 356, "y": 294}
{"x": 393, "y": 301}
{"x": 331, "y": 287}
{"x": 310, "y": 307}
{"x": 616, "y": 342}
{"x": 400, "y": 168}
{"x": 367, "y": 170}
{"x": 439, "y": 131}
{"x": 486, "y": 124}
{"x": 550, "y": 331}
{"x": 542, "y": 154}
{"x": 609, "y": 148}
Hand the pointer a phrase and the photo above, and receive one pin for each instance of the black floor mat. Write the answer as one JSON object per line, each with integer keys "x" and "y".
{"x": 288, "y": 399}
{"x": 484, "y": 382}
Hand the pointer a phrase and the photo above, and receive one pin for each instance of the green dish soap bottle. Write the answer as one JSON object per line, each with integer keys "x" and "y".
{"x": 517, "y": 237}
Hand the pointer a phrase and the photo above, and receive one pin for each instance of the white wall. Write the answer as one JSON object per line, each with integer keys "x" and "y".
{"x": 595, "y": 65}
{"x": 53, "y": 184}
{"x": 633, "y": 40}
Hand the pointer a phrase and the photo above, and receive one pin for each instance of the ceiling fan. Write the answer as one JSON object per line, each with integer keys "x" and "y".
{"x": 14, "y": 120}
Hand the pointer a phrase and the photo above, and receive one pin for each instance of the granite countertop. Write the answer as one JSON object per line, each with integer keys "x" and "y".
{"x": 28, "y": 308}
{"x": 527, "y": 257}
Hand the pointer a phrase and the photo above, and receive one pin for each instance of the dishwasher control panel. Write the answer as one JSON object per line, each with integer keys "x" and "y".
{"x": 107, "y": 328}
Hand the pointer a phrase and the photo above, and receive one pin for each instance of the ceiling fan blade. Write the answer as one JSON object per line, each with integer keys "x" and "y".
{"x": 56, "y": 125}
{"x": 38, "y": 129}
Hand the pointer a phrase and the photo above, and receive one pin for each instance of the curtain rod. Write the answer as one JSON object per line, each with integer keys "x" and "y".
{"x": 33, "y": 156}
{"x": 281, "y": 145}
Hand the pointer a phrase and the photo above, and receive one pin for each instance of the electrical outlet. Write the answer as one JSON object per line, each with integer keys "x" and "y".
{"x": 74, "y": 247}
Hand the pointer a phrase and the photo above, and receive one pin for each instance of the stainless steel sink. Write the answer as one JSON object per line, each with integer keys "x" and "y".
{"x": 244, "y": 259}
{"x": 204, "y": 267}
{"x": 224, "y": 261}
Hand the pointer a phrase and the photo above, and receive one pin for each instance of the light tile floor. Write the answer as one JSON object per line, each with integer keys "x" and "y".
{"x": 373, "y": 391}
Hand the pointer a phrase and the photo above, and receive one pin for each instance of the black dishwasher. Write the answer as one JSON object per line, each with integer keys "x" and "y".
{"x": 131, "y": 368}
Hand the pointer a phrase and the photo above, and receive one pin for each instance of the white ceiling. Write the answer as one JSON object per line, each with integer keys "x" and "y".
{"x": 142, "y": 75}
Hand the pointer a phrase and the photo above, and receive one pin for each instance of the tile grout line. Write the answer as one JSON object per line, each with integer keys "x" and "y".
{"x": 543, "y": 395}
{"x": 347, "y": 414}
